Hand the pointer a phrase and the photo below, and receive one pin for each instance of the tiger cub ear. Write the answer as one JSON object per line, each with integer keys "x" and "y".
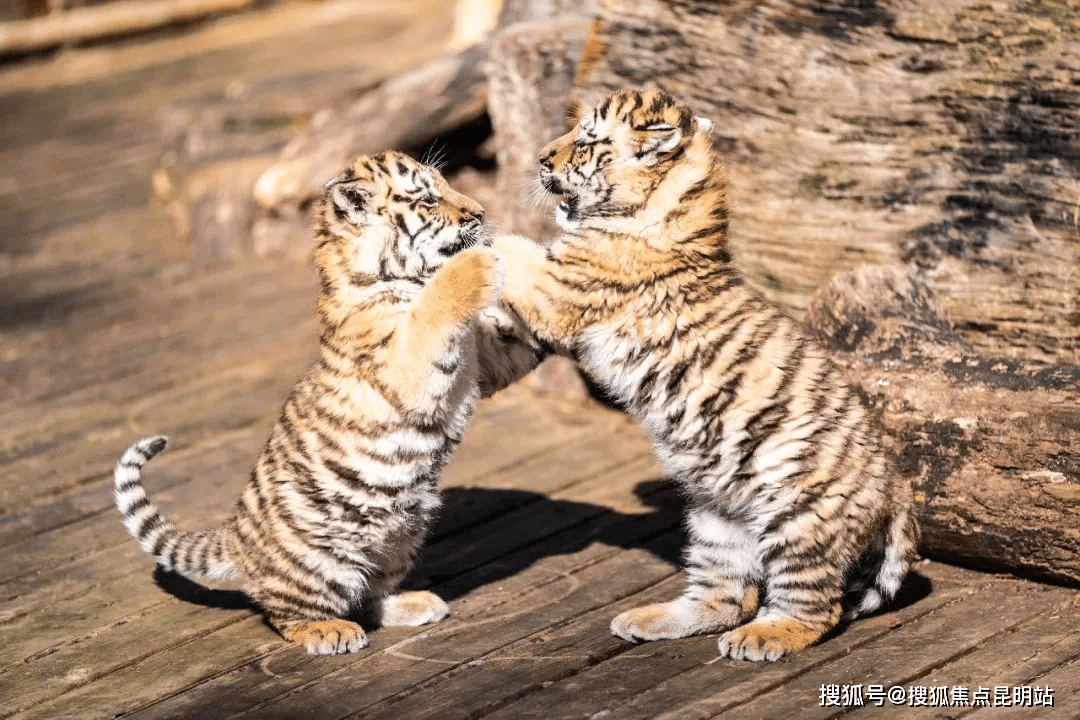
{"x": 659, "y": 138}
{"x": 704, "y": 125}
{"x": 349, "y": 200}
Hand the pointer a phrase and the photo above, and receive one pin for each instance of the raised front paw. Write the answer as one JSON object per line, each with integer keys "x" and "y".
{"x": 767, "y": 640}
{"x": 326, "y": 637}
{"x": 411, "y": 608}
{"x": 661, "y": 621}
{"x": 473, "y": 277}
{"x": 513, "y": 245}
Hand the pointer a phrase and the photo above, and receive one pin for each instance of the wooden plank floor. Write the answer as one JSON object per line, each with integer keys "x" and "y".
{"x": 556, "y": 515}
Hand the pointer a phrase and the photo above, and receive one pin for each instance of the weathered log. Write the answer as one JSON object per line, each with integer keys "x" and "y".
{"x": 943, "y": 134}
{"x": 218, "y": 146}
{"x": 83, "y": 24}
{"x": 473, "y": 19}
{"x": 531, "y": 73}
{"x": 991, "y": 445}
{"x": 404, "y": 112}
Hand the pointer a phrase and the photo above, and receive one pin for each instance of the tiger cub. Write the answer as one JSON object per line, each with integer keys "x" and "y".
{"x": 345, "y": 489}
{"x": 788, "y": 490}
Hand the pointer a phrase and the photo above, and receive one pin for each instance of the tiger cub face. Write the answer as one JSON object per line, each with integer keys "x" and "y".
{"x": 399, "y": 218}
{"x": 612, "y": 160}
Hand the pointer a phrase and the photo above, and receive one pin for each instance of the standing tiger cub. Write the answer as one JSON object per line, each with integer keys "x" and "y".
{"x": 789, "y": 494}
{"x": 345, "y": 489}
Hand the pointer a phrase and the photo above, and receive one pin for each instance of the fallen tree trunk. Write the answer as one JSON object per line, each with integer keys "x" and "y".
{"x": 942, "y": 134}
{"x": 991, "y": 445}
{"x": 218, "y": 146}
{"x": 84, "y": 24}
{"x": 403, "y": 112}
{"x": 406, "y": 112}
{"x": 531, "y": 71}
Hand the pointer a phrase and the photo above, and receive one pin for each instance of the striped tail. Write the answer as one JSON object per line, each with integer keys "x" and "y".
{"x": 887, "y": 564}
{"x": 197, "y": 555}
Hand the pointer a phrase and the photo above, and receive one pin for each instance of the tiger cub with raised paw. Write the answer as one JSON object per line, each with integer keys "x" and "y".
{"x": 343, "y": 494}
{"x": 789, "y": 494}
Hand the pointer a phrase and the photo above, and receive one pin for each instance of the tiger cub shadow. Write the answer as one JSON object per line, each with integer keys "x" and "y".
{"x": 486, "y": 535}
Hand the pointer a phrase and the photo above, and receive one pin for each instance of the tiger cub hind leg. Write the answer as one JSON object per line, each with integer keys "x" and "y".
{"x": 721, "y": 584}
{"x": 418, "y": 607}
{"x": 802, "y": 604}
{"x": 714, "y": 611}
{"x": 311, "y": 616}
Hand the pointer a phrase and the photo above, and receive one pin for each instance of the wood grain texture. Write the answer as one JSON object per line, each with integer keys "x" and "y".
{"x": 84, "y": 24}
{"x": 991, "y": 444}
{"x": 942, "y": 135}
{"x": 555, "y": 517}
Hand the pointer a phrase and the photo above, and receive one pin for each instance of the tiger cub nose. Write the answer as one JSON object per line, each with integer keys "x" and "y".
{"x": 547, "y": 160}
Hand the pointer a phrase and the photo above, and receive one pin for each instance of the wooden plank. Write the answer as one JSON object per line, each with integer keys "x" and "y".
{"x": 526, "y": 665}
{"x": 193, "y": 656}
{"x": 148, "y": 679}
{"x": 1064, "y": 680}
{"x": 396, "y": 675}
{"x": 128, "y": 104}
{"x": 492, "y": 594}
{"x": 487, "y": 601}
{"x": 92, "y": 498}
{"x": 294, "y": 333}
{"x": 650, "y": 678}
{"x": 43, "y": 603}
{"x": 170, "y": 624}
{"x": 48, "y": 671}
{"x": 744, "y": 681}
{"x": 234, "y": 399}
{"x": 84, "y": 65}
{"x": 40, "y": 630}
{"x": 189, "y": 315}
{"x": 132, "y": 97}
{"x": 87, "y": 543}
{"x": 1033, "y": 649}
{"x": 896, "y": 658}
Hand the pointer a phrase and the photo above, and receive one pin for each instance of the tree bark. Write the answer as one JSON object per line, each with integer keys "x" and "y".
{"x": 991, "y": 445}
{"x": 404, "y": 112}
{"x": 940, "y": 134}
{"x": 941, "y": 137}
{"x": 218, "y": 146}
{"x": 83, "y": 24}
{"x": 531, "y": 71}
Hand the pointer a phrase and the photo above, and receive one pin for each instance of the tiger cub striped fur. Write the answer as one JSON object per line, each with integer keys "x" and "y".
{"x": 345, "y": 489}
{"x": 789, "y": 494}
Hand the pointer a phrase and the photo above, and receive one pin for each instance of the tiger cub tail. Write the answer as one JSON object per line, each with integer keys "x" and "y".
{"x": 884, "y": 567}
{"x": 196, "y": 555}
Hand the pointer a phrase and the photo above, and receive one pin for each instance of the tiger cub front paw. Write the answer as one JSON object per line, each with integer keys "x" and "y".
{"x": 418, "y": 607}
{"x": 326, "y": 637}
{"x": 661, "y": 621}
{"x": 473, "y": 278}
